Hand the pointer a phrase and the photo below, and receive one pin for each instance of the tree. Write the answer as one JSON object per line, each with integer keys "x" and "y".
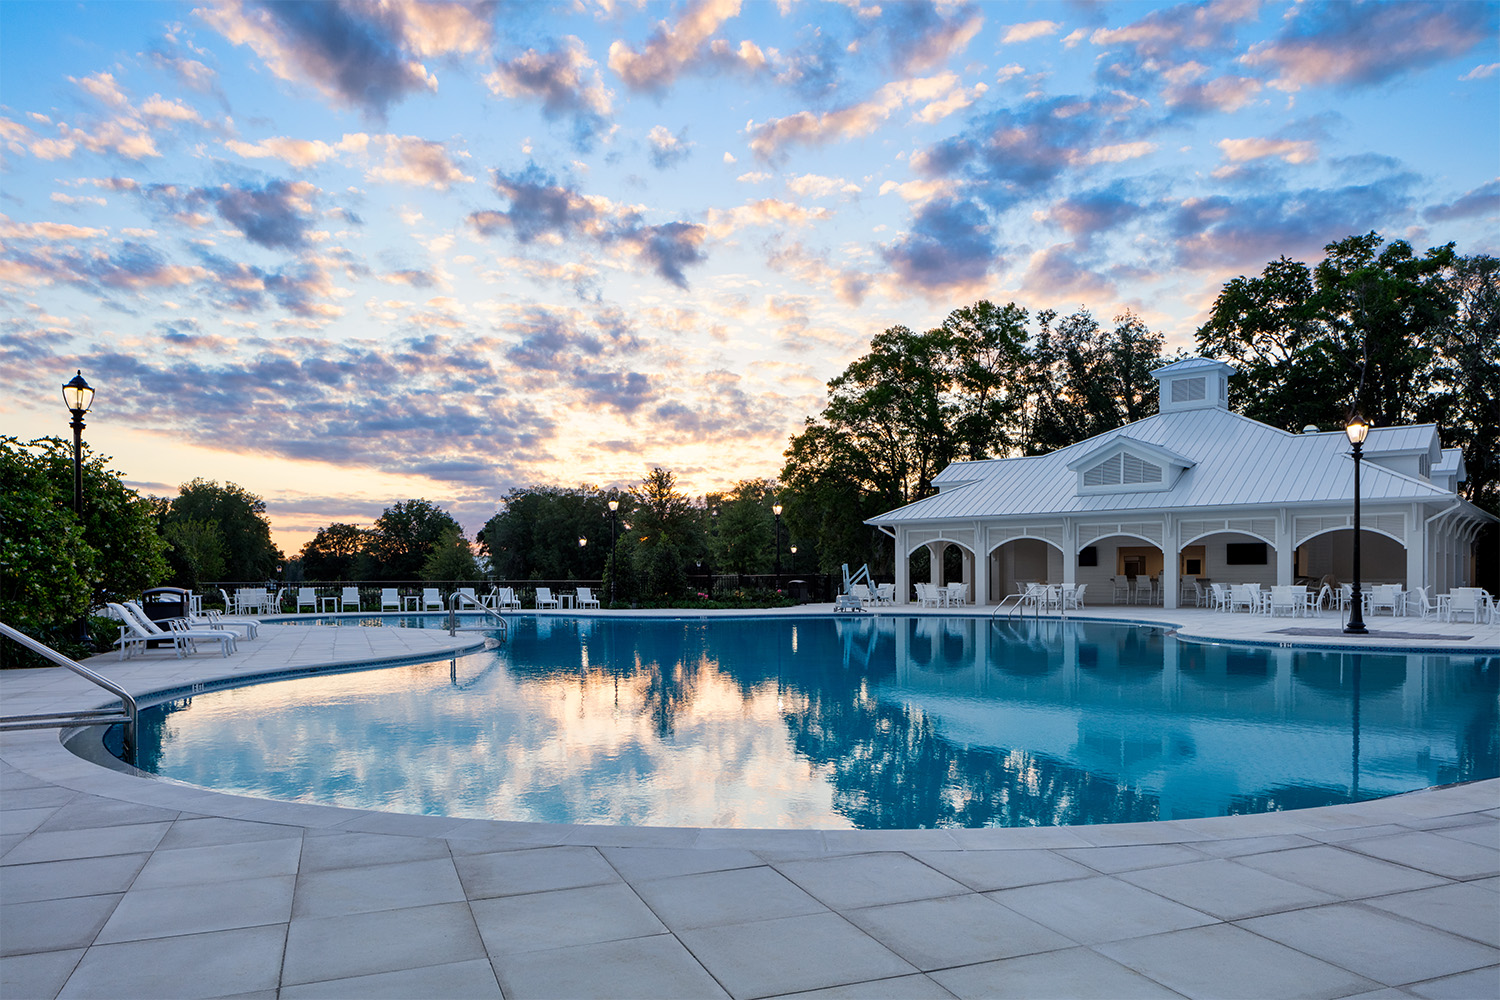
{"x": 334, "y": 553}
{"x": 985, "y": 347}
{"x": 535, "y": 534}
{"x": 451, "y": 559}
{"x": 197, "y": 550}
{"x": 54, "y": 568}
{"x": 404, "y": 536}
{"x": 249, "y": 553}
{"x": 664, "y": 531}
{"x": 1466, "y": 377}
{"x": 742, "y": 537}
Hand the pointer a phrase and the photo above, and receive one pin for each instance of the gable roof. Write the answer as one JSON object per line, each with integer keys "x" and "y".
{"x": 1235, "y": 462}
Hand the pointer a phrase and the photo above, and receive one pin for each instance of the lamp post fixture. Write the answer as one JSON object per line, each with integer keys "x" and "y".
{"x": 794, "y": 560}
{"x": 78, "y": 396}
{"x": 1357, "y": 429}
{"x": 614, "y": 547}
{"x": 777, "y": 511}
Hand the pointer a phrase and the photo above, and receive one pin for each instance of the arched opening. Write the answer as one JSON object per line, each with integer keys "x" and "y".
{"x": 1114, "y": 568}
{"x": 1020, "y": 561}
{"x": 942, "y": 562}
{"x": 1330, "y": 554}
{"x": 1227, "y": 557}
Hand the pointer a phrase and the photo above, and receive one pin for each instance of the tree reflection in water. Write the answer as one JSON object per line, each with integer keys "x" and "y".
{"x": 932, "y": 722}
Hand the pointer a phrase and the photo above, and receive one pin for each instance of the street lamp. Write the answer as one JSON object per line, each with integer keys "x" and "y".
{"x": 1357, "y": 429}
{"x": 614, "y": 547}
{"x": 777, "y": 511}
{"x": 794, "y": 560}
{"x": 78, "y": 396}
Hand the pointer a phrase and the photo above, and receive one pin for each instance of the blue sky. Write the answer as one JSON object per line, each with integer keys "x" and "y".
{"x": 344, "y": 254}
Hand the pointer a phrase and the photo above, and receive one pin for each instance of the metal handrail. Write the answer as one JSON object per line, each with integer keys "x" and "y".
{"x": 129, "y": 712}
{"x": 453, "y": 600}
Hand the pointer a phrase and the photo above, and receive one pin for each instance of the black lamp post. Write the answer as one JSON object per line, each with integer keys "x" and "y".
{"x": 614, "y": 547}
{"x": 777, "y": 511}
{"x": 1357, "y": 429}
{"x": 78, "y": 395}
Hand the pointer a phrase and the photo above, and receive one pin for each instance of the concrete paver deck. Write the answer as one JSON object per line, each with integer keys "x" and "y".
{"x": 122, "y": 886}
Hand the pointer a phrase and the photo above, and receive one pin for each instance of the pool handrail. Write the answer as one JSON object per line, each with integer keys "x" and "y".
{"x": 128, "y": 713}
{"x": 453, "y": 600}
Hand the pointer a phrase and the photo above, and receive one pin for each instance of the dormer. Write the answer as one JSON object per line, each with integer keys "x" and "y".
{"x": 1126, "y": 465}
{"x": 1193, "y": 384}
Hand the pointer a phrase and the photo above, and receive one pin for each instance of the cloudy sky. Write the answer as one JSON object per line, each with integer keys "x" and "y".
{"x": 344, "y": 254}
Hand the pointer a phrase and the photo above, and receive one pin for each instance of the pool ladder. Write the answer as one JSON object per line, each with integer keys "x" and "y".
{"x": 454, "y": 627}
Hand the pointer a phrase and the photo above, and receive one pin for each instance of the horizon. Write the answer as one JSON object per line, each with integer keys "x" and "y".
{"x": 346, "y": 255}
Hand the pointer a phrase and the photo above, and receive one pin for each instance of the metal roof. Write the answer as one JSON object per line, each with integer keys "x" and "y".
{"x": 1411, "y": 437}
{"x": 1239, "y": 462}
{"x": 1192, "y": 364}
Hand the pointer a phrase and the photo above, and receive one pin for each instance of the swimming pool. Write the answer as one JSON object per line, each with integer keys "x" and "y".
{"x": 852, "y": 722}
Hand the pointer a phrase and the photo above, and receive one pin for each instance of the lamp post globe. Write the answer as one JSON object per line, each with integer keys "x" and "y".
{"x": 1356, "y": 429}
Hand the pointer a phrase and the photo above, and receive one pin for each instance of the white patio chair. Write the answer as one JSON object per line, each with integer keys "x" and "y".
{"x": 1073, "y": 597}
{"x": 1143, "y": 590}
{"x": 1286, "y": 599}
{"x": 350, "y": 596}
{"x": 586, "y": 599}
{"x": 885, "y": 593}
{"x": 1122, "y": 589}
{"x": 1465, "y": 601}
{"x": 506, "y": 600}
{"x": 390, "y": 600}
{"x": 1245, "y": 595}
{"x": 1218, "y": 597}
{"x": 1422, "y": 602}
{"x": 431, "y": 599}
{"x": 1199, "y": 596}
{"x": 465, "y": 598}
{"x": 544, "y": 599}
{"x": 307, "y": 597}
{"x": 1384, "y": 596}
{"x": 957, "y": 594}
{"x": 861, "y": 593}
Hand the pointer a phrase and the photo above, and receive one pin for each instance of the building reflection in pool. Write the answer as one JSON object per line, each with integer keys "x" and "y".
{"x": 868, "y": 722}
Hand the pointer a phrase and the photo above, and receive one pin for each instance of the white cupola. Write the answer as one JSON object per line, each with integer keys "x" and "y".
{"x": 1193, "y": 384}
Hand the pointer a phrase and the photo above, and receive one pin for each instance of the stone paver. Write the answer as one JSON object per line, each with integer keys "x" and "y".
{"x": 114, "y": 885}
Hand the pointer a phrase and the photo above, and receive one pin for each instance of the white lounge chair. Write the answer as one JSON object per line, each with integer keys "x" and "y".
{"x": 544, "y": 599}
{"x": 506, "y": 600}
{"x": 465, "y": 597}
{"x": 1386, "y": 596}
{"x": 390, "y": 600}
{"x": 307, "y": 597}
{"x": 181, "y": 635}
{"x": 431, "y": 599}
{"x": 350, "y": 596}
{"x": 586, "y": 599}
{"x": 212, "y": 619}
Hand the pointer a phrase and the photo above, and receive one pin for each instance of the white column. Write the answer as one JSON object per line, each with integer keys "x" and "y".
{"x": 1171, "y": 562}
{"x": 1070, "y": 553}
{"x": 1286, "y": 560}
{"x": 1416, "y": 549}
{"x": 981, "y": 566}
{"x": 935, "y": 562}
{"x": 903, "y": 568}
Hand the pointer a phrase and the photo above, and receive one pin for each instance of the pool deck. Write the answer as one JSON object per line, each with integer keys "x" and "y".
{"x": 115, "y": 885}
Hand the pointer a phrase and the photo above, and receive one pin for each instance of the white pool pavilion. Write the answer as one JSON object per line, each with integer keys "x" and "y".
{"x": 1198, "y": 492}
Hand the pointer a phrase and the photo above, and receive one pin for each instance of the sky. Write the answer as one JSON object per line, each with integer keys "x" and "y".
{"x": 345, "y": 254}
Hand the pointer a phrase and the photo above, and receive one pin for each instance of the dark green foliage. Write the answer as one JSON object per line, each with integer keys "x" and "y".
{"x": 54, "y": 568}
{"x": 535, "y": 535}
{"x": 451, "y": 559}
{"x": 404, "y": 536}
{"x": 335, "y": 553}
{"x": 240, "y": 516}
{"x": 665, "y": 535}
{"x": 741, "y": 528}
{"x": 1429, "y": 326}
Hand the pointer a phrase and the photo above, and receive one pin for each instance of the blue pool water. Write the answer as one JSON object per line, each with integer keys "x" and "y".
{"x": 852, "y": 722}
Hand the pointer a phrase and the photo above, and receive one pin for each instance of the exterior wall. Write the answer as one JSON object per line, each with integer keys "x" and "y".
{"x": 1216, "y": 568}
{"x": 1023, "y": 560}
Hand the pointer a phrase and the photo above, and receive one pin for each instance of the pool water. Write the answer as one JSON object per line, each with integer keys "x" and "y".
{"x": 844, "y": 722}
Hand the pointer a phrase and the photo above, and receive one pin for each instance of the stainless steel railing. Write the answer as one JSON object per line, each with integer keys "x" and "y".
{"x": 128, "y": 713}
